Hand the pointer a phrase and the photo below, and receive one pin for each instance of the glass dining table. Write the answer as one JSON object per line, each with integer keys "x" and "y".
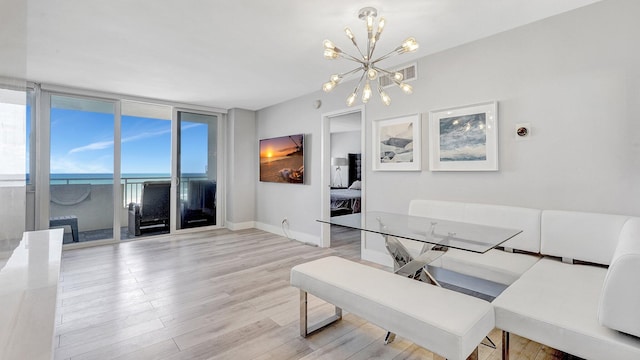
{"x": 431, "y": 237}
{"x": 434, "y": 234}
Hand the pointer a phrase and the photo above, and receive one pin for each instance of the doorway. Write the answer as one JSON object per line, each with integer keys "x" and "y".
{"x": 343, "y": 169}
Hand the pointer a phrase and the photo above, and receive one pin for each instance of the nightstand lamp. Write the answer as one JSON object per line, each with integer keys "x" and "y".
{"x": 338, "y": 162}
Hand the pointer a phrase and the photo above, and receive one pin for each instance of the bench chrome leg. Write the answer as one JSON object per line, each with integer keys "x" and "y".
{"x": 505, "y": 345}
{"x": 305, "y": 329}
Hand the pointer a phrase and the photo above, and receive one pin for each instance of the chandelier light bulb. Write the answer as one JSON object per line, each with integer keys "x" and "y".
{"x": 380, "y": 26}
{"x": 385, "y": 98}
{"x": 328, "y": 86}
{"x": 366, "y": 92}
{"x": 372, "y": 74}
{"x": 351, "y": 99}
{"x": 349, "y": 33}
{"x": 328, "y": 44}
{"x": 330, "y": 54}
{"x": 369, "y": 24}
{"x": 398, "y": 76}
{"x": 408, "y": 89}
{"x": 335, "y": 78}
{"x": 409, "y": 45}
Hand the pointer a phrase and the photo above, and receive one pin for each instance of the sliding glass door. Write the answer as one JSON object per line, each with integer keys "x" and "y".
{"x": 197, "y": 170}
{"x": 109, "y": 169}
{"x": 145, "y": 168}
{"x": 81, "y": 165}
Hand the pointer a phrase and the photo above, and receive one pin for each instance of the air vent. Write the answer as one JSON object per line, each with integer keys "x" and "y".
{"x": 409, "y": 73}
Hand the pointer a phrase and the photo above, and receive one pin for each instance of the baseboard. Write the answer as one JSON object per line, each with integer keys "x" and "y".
{"x": 240, "y": 226}
{"x": 377, "y": 257}
{"x": 293, "y": 235}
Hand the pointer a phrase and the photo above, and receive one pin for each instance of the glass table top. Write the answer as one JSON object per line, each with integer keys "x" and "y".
{"x": 452, "y": 234}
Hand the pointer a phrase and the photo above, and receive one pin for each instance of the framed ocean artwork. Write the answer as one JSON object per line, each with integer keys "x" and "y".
{"x": 464, "y": 138}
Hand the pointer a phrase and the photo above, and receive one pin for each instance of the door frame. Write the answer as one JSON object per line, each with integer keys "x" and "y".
{"x": 220, "y": 168}
{"x": 43, "y": 162}
{"x": 325, "y": 173}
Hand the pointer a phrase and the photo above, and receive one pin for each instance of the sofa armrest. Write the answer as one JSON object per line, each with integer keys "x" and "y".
{"x": 618, "y": 308}
{"x": 135, "y": 208}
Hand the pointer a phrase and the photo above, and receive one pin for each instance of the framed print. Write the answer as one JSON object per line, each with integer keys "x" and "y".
{"x": 396, "y": 144}
{"x": 282, "y": 159}
{"x": 464, "y": 138}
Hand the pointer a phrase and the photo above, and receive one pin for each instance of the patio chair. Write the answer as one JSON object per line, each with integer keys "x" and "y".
{"x": 200, "y": 207}
{"x": 153, "y": 210}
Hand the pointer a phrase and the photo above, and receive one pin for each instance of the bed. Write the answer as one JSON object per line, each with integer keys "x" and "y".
{"x": 347, "y": 201}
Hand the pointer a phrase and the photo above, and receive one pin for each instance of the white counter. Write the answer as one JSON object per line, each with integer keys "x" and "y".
{"x": 28, "y": 290}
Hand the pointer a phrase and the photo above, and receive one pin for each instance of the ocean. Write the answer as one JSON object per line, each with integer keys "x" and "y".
{"x": 97, "y": 179}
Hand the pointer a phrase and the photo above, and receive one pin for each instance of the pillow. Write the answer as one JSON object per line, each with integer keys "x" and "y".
{"x": 357, "y": 185}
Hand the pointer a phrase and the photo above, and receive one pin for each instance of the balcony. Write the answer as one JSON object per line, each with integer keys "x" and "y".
{"x": 89, "y": 198}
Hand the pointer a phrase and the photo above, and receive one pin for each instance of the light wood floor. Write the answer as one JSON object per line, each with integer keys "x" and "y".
{"x": 215, "y": 295}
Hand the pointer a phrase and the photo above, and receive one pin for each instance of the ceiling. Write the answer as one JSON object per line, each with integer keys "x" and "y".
{"x": 243, "y": 53}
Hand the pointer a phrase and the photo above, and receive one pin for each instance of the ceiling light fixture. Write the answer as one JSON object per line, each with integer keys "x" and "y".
{"x": 370, "y": 69}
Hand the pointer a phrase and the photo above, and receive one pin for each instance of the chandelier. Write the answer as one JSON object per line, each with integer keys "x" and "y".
{"x": 369, "y": 66}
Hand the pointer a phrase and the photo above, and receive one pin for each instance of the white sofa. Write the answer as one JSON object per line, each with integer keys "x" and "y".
{"x": 585, "y": 309}
{"x": 590, "y": 308}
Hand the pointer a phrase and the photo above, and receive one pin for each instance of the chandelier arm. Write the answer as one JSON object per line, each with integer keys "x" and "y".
{"x": 352, "y": 71}
{"x": 373, "y": 48}
{"x": 348, "y": 56}
{"x": 390, "y": 73}
{"x": 393, "y": 52}
{"x": 383, "y": 70}
{"x": 357, "y": 47}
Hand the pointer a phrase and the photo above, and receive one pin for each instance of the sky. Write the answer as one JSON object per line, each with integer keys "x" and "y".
{"x": 82, "y": 142}
{"x": 280, "y": 146}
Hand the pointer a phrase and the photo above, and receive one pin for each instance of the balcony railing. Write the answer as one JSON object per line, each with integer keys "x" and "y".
{"x": 132, "y": 185}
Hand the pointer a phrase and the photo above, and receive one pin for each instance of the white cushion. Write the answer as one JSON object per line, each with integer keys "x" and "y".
{"x": 443, "y": 321}
{"x": 620, "y": 300}
{"x": 556, "y": 304}
{"x": 512, "y": 217}
{"x": 525, "y": 219}
{"x": 495, "y": 265}
{"x": 445, "y": 210}
{"x": 582, "y": 236}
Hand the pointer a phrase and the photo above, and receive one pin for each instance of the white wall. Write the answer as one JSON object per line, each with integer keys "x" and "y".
{"x": 574, "y": 77}
{"x": 13, "y": 16}
{"x": 12, "y": 161}
{"x": 242, "y": 152}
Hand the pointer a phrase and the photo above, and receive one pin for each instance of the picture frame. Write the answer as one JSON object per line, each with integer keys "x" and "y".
{"x": 282, "y": 159}
{"x": 464, "y": 138}
{"x": 397, "y": 144}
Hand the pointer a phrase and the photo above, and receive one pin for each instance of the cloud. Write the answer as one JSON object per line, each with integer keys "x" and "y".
{"x": 93, "y": 146}
{"x": 100, "y": 145}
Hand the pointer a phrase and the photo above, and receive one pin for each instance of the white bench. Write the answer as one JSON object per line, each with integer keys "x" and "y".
{"x": 445, "y": 322}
